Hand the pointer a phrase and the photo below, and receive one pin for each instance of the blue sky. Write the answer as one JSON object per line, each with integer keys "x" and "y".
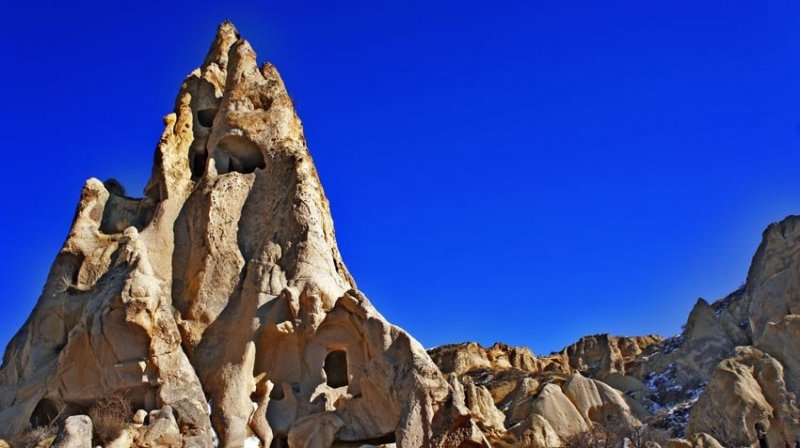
{"x": 526, "y": 172}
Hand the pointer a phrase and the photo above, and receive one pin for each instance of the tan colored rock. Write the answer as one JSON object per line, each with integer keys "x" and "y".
{"x": 773, "y": 289}
{"x": 678, "y": 443}
{"x": 559, "y": 411}
{"x": 225, "y": 276}
{"x": 519, "y": 401}
{"x": 139, "y": 417}
{"x": 551, "y": 396}
{"x": 220, "y": 299}
{"x": 601, "y": 355}
{"x": 781, "y": 339}
{"x": 163, "y": 430}
{"x": 315, "y": 431}
{"x": 773, "y": 285}
{"x": 690, "y": 358}
{"x": 471, "y": 356}
{"x": 258, "y": 420}
{"x": 745, "y": 390}
{"x": 77, "y": 433}
{"x": 480, "y": 404}
{"x": 126, "y": 439}
{"x": 503, "y": 356}
{"x": 535, "y": 432}
{"x": 460, "y": 358}
{"x": 596, "y": 401}
{"x": 703, "y": 440}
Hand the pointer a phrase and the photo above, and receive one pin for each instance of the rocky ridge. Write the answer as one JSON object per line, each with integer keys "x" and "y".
{"x": 216, "y": 310}
{"x": 730, "y": 377}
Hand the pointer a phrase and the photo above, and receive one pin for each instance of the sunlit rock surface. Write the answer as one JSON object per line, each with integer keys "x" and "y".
{"x": 222, "y": 297}
{"x": 217, "y": 311}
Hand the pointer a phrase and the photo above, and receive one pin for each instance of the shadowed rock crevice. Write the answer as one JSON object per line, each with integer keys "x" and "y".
{"x": 121, "y": 212}
{"x": 237, "y": 154}
{"x": 205, "y": 117}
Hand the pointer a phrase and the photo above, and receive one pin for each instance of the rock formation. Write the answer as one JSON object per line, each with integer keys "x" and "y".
{"x": 734, "y": 366}
{"x": 217, "y": 311}
{"x": 219, "y": 301}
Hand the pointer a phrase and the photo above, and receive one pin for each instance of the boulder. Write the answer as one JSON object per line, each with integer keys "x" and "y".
{"x": 559, "y": 411}
{"x": 77, "y": 433}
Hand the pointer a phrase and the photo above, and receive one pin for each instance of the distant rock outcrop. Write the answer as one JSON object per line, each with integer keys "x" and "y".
{"x": 729, "y": 378}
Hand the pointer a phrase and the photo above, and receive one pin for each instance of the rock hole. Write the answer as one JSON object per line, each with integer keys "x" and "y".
{"x": 277, "y": 393}
{"x": 279, "y": 442}
{"x": 122, "y": 212}
{"x": 237, "y": 153}
{"x": 45, "y": 413}
{"x": 206, "y": 117}
{"x": 336, "y": 368}
{"x": 197, "y": 163}
{"x": 266, "y": 102}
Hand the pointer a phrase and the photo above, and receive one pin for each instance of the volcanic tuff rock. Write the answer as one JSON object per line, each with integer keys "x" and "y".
{"x": 735, "y": 365}
{"x": 217, "y": 310}
{"x": 221, "y": 298}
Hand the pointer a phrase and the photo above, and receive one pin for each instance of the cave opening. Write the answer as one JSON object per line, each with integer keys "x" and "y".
{"x": 239, "y": 154}
{"x": 279, "y": 442}
{"x": 335, "y": 368}
{"x": 46, "y": 412}
{"x": 206, "y": 117}
{"x": 277, "y": 393}
{"x": 197, "y": 164}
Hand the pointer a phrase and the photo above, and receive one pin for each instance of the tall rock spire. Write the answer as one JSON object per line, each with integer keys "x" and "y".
{"x": 224, "y": 285}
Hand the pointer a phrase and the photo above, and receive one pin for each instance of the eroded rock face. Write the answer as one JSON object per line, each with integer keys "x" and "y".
{"x": 221, "y": 296}
{"x": 735, "y": 365}
{"x": 601, "y": 355}
{"x": 522, "y": 400}
{"x": 746, "y": 390}
{"x": 463, "y": 358}
{"x": 220, "y": 307}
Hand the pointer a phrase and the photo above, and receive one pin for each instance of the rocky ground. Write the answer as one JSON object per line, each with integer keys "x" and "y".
{"x": 216, "y": 311}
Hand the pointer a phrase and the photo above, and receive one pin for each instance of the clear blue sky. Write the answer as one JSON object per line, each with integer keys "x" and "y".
{"x": 526, "y": 174}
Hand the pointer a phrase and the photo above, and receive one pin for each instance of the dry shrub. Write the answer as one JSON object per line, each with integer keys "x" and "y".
{"x": 585, "y": 439}
{"x": 41, "y": 436}
{"x": 617, "y": 432}
{"x": 110, "y": 416}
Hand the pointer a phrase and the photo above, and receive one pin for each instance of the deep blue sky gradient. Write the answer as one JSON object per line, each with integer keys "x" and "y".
{"x": 526, "y": 172}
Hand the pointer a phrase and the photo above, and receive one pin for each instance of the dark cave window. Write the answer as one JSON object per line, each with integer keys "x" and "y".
{"x": 239, "y": 154}
{"x": 206, "y": 117}
{"x": 277, "y": 392}
{"x": 279, "y": 442}
{"x": 197, "y": 163}
{"x": 45, "y": 413}
{"x": 336, "y": 368}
